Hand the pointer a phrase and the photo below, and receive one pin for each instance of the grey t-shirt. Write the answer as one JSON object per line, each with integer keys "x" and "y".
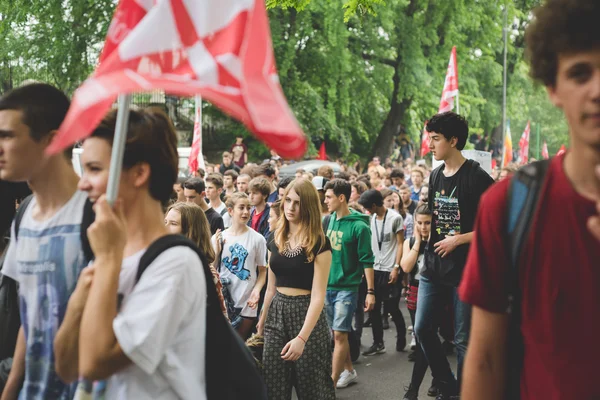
{"x": 386, "y": 257}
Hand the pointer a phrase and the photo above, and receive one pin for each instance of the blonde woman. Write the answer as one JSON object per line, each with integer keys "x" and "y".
{"x": 189, "y": 220}
{"x": 297, "y": 350}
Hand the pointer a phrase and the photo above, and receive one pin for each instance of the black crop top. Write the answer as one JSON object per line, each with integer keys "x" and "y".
{"x": 293, "y": 272}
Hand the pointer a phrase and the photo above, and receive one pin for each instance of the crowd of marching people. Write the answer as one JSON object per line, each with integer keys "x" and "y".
{"x": 135, "y": 300}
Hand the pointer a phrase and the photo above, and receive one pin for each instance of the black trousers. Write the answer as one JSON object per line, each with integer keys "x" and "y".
{"x": 389, "y": 296}
{"x": 311, "y": 373}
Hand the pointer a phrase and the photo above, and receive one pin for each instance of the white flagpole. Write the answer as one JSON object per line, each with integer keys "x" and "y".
{"x": 118, "y": 148}
{"x": 457, "y": 103}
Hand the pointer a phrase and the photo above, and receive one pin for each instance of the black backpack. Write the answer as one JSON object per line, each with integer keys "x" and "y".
{"x": 523, "y": 204}
{"x": 231, "y": 371}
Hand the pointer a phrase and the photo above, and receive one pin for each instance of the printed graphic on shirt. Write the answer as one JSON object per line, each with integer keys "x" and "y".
{"x": 336, "y": 239}
{"x": 237, "y": 261}
{"x": 446, "y": 213}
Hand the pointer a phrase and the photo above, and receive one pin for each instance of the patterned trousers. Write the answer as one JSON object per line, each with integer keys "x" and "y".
{"x": 311, "y": 373}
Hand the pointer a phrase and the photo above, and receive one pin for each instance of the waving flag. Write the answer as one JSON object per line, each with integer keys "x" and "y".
{"x": 322, "y": 152}
{"x": 545, "y": 154}
{"x": 508, "y": 149}
{"x": 219, "y": 49}
{"x": 196, "y": 159}
{"x": 450, "y": 90}
{"x": 524, "y": 144}
{"x": 562, "y": 150}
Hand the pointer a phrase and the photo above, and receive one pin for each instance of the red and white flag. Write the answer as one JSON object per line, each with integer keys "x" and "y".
{"x": 524, "y": 144}
{"x": 425, "y": 141}
{"x": 221, "y": 50}
{"x": 450, "y": 90}
{"x": 196, "y": 159}
{"x": 562, "y": 150}
{"x": 545, "y": 154}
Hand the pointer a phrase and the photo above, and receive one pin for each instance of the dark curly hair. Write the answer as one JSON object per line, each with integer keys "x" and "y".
{"x": 450, "y": 124}
{"x": 560, "y": 26}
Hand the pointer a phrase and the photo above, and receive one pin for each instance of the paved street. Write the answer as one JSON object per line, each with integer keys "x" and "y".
{"x": 384, "y": 376}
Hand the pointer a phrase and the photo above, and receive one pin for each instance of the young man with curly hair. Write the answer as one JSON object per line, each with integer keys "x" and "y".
{"x": 559, "y": 272}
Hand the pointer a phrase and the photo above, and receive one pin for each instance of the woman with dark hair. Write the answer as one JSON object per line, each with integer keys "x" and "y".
{"x": 147, "y": 338}
{"x": 297, "y": 351}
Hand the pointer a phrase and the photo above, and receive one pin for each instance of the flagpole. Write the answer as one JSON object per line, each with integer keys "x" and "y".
{"x": 118, "y": 148}
{"x": 538, "y": 141}
{"x": 457, "y": 103}
{"x": 504, "y": 29}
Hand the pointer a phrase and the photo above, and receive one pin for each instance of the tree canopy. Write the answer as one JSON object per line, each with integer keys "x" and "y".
{"x": 355, "y": 72}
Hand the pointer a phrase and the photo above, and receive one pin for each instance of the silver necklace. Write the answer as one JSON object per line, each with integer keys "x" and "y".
{"x": 291, "y": 253}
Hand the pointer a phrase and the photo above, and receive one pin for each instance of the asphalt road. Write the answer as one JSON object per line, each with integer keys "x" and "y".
{"x": 385, "y": 376}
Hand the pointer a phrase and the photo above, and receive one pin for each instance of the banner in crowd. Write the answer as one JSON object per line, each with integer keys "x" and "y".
{"x": 221, "y": 50}
{"x": 196, "y": 159}
{"x": 524, "y": 144}
{"x": 508, "y": 148}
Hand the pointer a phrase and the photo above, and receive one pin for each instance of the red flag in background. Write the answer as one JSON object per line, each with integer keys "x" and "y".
{"x": 562, "y": 150}
{"x": 219, "y": 49}
{"x": 322, "y": 152}
{"x": 196, "y": 159}
{"x": 425, "y": 141}
{"x": 524, "y": 144}
{"x": 545, "y": 154}
{"x": 450, "y": 90}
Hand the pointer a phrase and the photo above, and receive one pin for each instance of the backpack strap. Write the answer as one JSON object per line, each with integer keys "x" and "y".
{"x": 524, "y": 195}
{"x": 21, "y": 213}
{"x": 326, "y": 221}
{"x": 166, "y": 242}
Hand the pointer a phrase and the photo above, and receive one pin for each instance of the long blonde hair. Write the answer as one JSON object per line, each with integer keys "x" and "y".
{"x": 194, "y": 226}
{"x": 311, "y": 229}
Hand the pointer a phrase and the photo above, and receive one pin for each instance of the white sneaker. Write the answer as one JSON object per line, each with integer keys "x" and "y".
{"x": 346, "y": 378}
{"x": 413, "y": 343}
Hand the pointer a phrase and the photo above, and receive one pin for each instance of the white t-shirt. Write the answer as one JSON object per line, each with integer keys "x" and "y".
{"x": 45, "y": 260}
{"x": 386, "y": 257}
{"x": 239, "y": 266}
{"x": 161, "y": 327}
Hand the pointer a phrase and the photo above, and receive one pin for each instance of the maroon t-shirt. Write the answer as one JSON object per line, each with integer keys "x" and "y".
{"x": 560, "y": 283}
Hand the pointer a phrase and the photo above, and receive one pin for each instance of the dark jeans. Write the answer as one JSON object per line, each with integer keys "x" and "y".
{"x": 431, "y": 301}
{"x": 389, "y": 295}
{"x": 421, "y": 365}
{"x": 359, "y": 314}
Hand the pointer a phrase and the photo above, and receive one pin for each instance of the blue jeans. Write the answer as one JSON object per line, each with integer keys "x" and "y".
{"x": 431, "y": 300}
{"x": 339, "y": 308}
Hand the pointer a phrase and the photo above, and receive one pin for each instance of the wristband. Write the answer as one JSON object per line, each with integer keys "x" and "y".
{"x": 396, "y": 265}
{"x": 301, "y": 338}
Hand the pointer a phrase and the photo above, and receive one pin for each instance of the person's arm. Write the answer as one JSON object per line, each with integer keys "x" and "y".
{"x": 594, "y": 221}
{"x": 100, "y": 354}
{"x": 260, "y": 282}
{"x": 66, "y": 342}
{"x": 294, "y": 348}
{"x": 400, "y": 247}
{"x": 370, "y": 298}
{"x": 271, "y": 291}
{"x": 366, "y": 259}
{"x": 17, "y": 371}
{"x": 410, "y": 255}
{"x": 484, "y": 374}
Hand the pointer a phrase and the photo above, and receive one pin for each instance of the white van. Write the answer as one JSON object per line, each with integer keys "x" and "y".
{"x": 184, "y": 155}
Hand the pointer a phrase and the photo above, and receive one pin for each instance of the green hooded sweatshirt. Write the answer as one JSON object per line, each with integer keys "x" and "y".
{"x": 351, "y": 250}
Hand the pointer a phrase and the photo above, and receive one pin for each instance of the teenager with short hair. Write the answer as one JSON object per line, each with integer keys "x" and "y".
{"x": 242, "y": 183}
{"x": 297, "y": 350}
{"x": 352, "y": 256}
{"x": 407, "y": 202}
{"x": 260, "y": 189}
{"x": 229, "y": 183}
{"x": 194, "y": 190}
{"x": 241, "y": 259}
{"x": 46, "y": 258}
{"x": 455, "y": 189}
{"x": 558, "y": 280}
{"x": 147, "y": 339}
{"x": 417, "y": 177}
{"x": 228, "y": 164}
{"x": 214, "y": 190}
{"x": 269, "y": 172}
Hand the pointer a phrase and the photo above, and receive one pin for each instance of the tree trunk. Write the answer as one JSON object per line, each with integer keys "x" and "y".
{"x": 384, "y": 145}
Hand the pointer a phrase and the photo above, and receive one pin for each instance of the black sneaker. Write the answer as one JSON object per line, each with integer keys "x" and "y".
{"x": 377, "y": 348}
{"x": 412, "y": 393}
{"x": 433, "y": 391}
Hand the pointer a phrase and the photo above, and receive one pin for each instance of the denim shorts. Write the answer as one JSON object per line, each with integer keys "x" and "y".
{"x": 339, "y": 307}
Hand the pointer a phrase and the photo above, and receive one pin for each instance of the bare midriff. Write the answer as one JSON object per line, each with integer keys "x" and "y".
{"x": 288, "y": 291}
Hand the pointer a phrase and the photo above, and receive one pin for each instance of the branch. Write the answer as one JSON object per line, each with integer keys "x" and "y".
{"x": 386, "y": 61}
